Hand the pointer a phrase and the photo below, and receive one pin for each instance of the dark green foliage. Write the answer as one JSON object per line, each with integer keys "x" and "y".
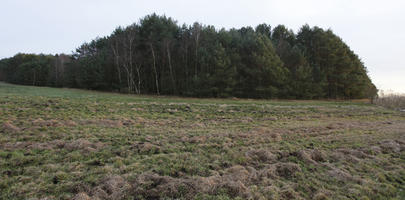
{"x": 336, "y": 67}
{"x": 37, "y": 70}
{"x": 27, "y": 69}
{"x": 157, "y": 56}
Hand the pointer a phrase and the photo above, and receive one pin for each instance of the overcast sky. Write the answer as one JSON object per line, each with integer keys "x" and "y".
{"x": 373, "y": 29}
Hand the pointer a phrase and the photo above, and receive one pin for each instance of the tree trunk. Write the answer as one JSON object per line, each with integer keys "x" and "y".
{"x": 196, "y": 53}
{"x": 170, "y": 68}
{"x": 130, "y": 73}
{"x": 56, "y": 71}
{"x": 116, "y": 58}
{"x": 139, "y": 79}
{"x": 154, "y": 68}
{"x": 33, "y": 82}
{"x": 128, "y": 79}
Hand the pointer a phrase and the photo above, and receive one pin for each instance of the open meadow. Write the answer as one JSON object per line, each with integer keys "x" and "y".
{"x": 76, "y": 144}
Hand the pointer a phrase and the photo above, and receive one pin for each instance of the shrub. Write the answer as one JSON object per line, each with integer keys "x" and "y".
{"x": 392, "y": 101}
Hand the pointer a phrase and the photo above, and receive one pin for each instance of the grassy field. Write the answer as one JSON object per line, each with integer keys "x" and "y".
{"x": 75, "y": 144}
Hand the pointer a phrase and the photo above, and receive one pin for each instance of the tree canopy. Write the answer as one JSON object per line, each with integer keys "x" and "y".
{"x": 159, "y": 56}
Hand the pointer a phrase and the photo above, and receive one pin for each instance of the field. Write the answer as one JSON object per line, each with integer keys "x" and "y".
{"x": 76, "y": 144}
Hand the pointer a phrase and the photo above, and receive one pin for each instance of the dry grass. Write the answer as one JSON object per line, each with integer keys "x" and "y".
{"x": 391, "y": 101}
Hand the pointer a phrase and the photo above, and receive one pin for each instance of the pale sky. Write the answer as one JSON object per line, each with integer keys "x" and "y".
{"x": 373, "y": 29}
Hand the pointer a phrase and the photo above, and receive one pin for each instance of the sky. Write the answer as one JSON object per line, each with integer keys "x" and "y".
{"x": 374, "y": 30}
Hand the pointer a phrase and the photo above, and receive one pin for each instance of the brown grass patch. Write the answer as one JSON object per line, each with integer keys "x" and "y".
{"x": 306, "y": 156}
{"x": 69, "y": 123}
{"x": 261, "y": 156}
{"x": 318, "y": 155}
{"x": 112, "y": 187}
{"x": 341, "y": 175}
{"x": 374, "y": 150}
{"x": 46, "y": 145}
{"x": 195, "y": 139}
{"x": 103, "y": 122}
{"x": 311, "y": 156}
{"x": 390, "y": 146}
{"x": 31, "y": 145}
{"x": 267, "y": 174}
{"x": 146, "y": 147}
{"x": 83, "y": 145}
{"x": 289, "y": 193}
{"x": 82, "y": 196}
{"x": 153, "y": 186}
{"x": 50, "y": 123}
{"x": 9, "y": 127}
{"x": 321, "y": 196}
{"x": 233, "y": 180}
{"x": 287, "y": 170}
{"x": 353, "y": 152}
{"x": 260, "y": 134}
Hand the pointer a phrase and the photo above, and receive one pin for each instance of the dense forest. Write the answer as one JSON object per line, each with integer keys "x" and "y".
{"x": 158, "y": 56}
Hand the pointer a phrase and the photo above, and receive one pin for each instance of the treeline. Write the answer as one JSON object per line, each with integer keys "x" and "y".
{"x": 158, "y": 56}
{"x": 37, "y": 70}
